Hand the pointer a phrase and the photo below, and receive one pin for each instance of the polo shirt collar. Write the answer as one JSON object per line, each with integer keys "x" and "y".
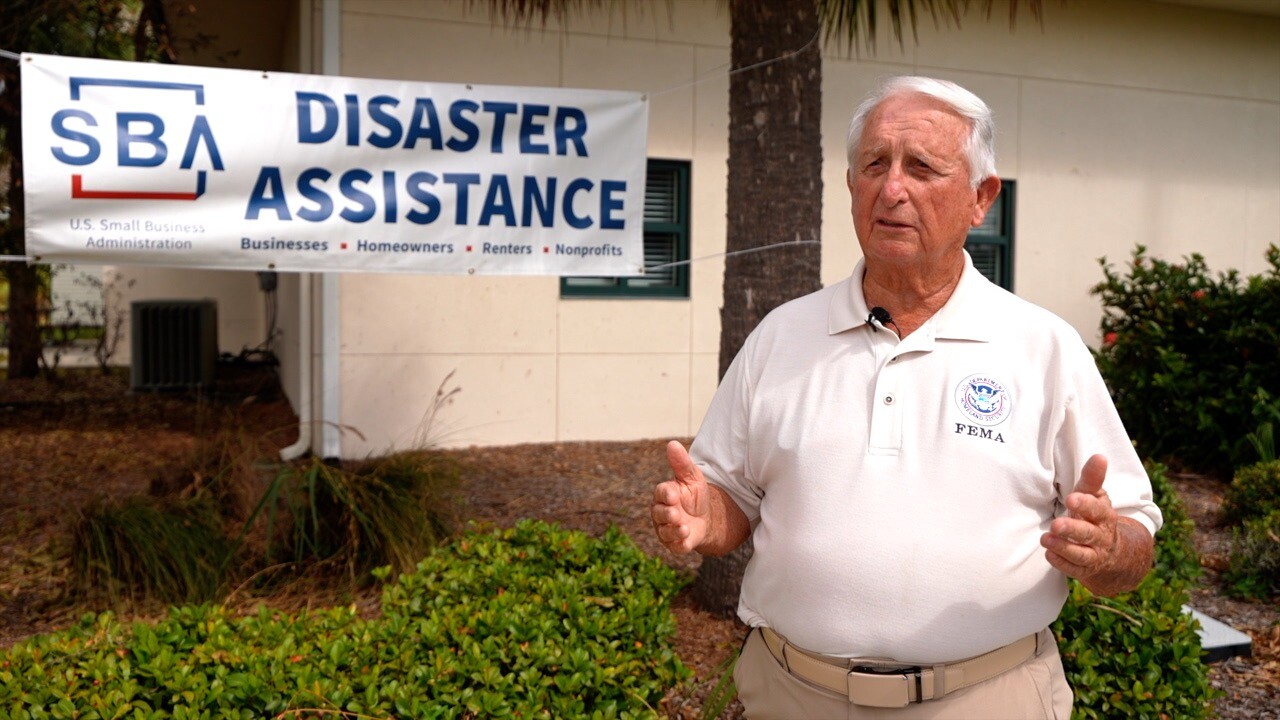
{"x": 848, "y": 308}
{"x": 962, "y": 318}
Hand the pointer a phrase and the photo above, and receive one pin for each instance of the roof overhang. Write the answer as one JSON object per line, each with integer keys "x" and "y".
{"x": 1251, "y": 7}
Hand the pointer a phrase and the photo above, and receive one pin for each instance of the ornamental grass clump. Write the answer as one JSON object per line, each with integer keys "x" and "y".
{"x": 171, "y": 550}
{"x": 387, "y": 511}
{"x": 531, "y": 622}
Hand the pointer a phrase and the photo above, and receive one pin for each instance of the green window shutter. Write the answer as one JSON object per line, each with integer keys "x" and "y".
{"x": 666, "y": 241}
{"x": 989, "y": 259}
{"x": 991, "y": 243}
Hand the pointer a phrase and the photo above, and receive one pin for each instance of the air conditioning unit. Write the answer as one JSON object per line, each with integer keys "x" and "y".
{"x": 174, "y": 343}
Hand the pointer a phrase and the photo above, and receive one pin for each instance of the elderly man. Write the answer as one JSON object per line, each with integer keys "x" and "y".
{"x": 918, "y": 455}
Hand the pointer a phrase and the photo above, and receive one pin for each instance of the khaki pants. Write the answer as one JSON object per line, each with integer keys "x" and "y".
{"x": 1035, "y": 690}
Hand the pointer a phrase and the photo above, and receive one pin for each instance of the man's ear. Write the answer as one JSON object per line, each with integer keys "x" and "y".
{"x": 987, "y": 191}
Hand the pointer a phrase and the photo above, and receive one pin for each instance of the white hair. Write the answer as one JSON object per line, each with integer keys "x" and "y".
{"x": 979, "y": 147}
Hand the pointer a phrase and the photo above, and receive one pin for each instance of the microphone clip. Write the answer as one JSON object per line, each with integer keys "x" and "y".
{"x": 880, "y": 318}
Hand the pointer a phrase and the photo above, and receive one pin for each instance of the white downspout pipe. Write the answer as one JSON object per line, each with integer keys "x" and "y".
{"x": 303, "y": 442}
{"x": 330, "y": 395}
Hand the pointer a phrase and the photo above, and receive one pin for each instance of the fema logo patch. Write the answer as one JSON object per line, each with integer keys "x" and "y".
{"x": 983, "y": 400}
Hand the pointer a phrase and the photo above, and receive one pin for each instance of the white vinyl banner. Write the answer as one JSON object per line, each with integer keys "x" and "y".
{"x": 140, "y": 163}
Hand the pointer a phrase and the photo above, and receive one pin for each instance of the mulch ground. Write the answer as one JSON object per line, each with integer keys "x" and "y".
{"x": 69, "y": 444}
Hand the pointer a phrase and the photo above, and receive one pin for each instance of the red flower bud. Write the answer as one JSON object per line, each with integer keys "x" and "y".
{"x": 1109, "y": 339}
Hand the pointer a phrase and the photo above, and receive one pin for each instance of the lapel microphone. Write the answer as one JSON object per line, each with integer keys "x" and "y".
{"x": 880, "y": 317}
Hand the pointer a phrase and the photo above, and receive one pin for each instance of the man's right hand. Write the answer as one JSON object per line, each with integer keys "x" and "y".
{"x": 681, "y": 506}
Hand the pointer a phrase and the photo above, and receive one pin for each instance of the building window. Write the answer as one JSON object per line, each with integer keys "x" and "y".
{"x": 991, "y": 243}
{"x": 666, "y": 241}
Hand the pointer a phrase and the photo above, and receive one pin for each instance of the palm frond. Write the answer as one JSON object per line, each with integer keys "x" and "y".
{"x": 853, "y": 23}
{"x": 514, "y": 13}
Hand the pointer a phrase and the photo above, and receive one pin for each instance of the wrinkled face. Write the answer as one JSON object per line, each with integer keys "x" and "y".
{"x": 912, "y": 202}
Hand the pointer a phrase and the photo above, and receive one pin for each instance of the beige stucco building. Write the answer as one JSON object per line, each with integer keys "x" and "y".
{"x": 1119, "y": 122}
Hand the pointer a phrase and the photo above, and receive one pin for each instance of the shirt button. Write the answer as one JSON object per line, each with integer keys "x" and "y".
{"x": 888, "y": 399}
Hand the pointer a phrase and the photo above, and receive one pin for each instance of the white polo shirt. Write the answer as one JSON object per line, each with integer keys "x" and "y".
{"x": 898, "y": 489}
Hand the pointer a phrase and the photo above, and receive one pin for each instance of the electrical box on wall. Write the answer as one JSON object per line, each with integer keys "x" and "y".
{"x": 174, "y": 344}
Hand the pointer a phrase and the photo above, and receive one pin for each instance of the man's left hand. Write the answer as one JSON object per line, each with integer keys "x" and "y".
{"x": 1109, "y": 554}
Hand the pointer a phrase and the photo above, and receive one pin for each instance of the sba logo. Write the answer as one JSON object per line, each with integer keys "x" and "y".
{"x": 140, "y": 143}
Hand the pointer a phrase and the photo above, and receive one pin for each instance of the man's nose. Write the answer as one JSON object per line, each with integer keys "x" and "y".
{"x": 894, "y": 190}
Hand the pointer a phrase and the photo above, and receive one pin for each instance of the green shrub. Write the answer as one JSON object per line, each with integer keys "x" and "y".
{"x": 1254, "y": 572}
{"x": 145, "y": 547}
{"x": 1133, "y": 656}
{"x": 534, "y": 622}
{"x": 1194, "y": 372}
{"x": 1254, "y": 492}
{"x": 570, "y": 626}
{"x": 1176, "y": 560}
{"x": 1138, "y": 654}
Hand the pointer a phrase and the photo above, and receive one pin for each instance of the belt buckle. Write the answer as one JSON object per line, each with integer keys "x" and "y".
{"x": 878, "y": 687}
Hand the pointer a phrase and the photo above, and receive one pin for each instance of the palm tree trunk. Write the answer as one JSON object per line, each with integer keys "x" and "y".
{"x": 24, "y": 279}
{"x": 775, "y": 196}
{"x": 25, "y": 345}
